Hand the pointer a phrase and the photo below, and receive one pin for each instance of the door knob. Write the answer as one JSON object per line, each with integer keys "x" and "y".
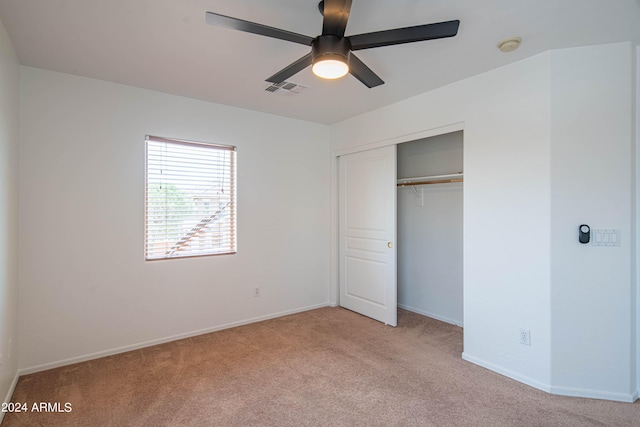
{"x": 389, "y": 245}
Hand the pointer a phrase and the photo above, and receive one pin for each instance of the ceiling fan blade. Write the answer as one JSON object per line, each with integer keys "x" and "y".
{"x": 290, "y": 70}
{"x": 251, "y": 27}
{"x": 404, "y": 35}
{"x": 336, "y": 15}
{"x": 363, "y": 73}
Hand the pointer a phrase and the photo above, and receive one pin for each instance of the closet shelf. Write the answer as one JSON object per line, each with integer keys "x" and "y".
{"x": 431, "y": 179}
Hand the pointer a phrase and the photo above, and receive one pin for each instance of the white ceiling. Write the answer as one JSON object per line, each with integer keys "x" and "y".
{"x": 165, "y": 45}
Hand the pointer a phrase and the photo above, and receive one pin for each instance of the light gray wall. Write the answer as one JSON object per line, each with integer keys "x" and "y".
{"x": 86, "y": 290}
{"x": 9, "y": 126}
{"x": 592, "y": 117}
{"x": 430, "y": 236}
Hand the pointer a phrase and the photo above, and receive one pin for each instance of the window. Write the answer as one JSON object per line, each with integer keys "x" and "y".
{"x": 190, "y": 207}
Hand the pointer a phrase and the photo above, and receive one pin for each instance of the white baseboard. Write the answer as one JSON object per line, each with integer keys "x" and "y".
{"x": 9, "y": 395}
{"x": 561, "y": 391}
{"x": 432, "y": 315}
{"x": 595, "y": 394}
{"x": 111, "y": 352}
{"x": 507, "y": 373}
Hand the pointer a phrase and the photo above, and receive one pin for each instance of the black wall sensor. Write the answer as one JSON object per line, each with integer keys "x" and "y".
{"x": 585, "y": 233}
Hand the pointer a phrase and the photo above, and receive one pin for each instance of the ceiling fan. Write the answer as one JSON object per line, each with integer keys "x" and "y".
{"x": 331, "y": 53}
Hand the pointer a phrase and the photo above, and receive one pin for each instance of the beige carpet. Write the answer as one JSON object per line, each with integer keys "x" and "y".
{"x": 326, "y": 367}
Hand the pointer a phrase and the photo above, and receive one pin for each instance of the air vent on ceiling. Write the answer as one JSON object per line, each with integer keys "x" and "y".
{"x": 285, "y": 88}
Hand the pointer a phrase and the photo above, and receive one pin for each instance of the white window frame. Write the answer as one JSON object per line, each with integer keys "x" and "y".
{"x": 190, "y": 199}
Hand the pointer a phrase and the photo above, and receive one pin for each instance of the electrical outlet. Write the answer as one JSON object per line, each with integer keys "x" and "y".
{"x": 525, "y": 336}
{"x": 257, "y": 291}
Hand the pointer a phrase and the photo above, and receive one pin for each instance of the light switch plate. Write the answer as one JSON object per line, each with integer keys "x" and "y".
{"x": 605, "y": 237}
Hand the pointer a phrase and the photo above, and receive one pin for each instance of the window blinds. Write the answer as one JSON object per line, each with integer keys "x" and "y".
{"x": 190, "y": 199}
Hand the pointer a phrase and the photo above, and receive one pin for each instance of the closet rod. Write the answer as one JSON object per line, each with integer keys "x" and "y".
{"x": 433, "y": 179}
{"x": 437, "y": 181}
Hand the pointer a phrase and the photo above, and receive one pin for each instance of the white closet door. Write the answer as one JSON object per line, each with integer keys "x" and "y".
{"x": 367, "y": 205}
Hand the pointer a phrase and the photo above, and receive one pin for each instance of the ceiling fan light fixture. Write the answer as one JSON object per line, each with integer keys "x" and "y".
{"x": 330, "y": 67}
{"x": 330, "y": 56}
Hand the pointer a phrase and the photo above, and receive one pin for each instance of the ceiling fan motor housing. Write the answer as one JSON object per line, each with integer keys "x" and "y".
{"x": 330, "y": 47}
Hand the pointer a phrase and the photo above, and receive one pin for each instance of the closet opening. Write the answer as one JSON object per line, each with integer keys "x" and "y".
{"x": 430, "y": 227}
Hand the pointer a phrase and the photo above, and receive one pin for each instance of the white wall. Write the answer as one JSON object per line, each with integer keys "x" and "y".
{"x": 85, "y": 287}
{"x": 524, "y": 127}
{"x": 637, "y": 223}
{"x": 430, "y": 235}
{"x": 9, "y": 125}
{"x": 591, "y": 183}
{"x": 506, "y": 121}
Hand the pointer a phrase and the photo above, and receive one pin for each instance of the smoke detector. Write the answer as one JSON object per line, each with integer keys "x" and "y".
{"x": 509, "y": 44}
